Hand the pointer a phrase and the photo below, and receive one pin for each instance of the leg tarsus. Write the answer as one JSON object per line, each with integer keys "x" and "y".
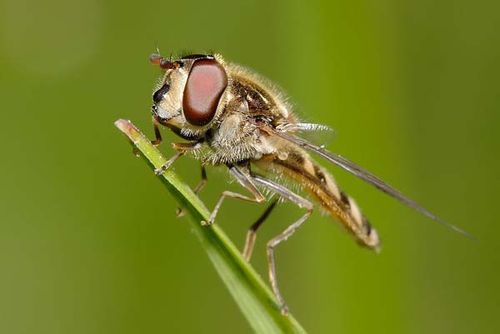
{"x": 182, "y": 148}
{"x": 302, "y": 203}
{"x": 271, "y": 259}
{"x": 163, "y": 168}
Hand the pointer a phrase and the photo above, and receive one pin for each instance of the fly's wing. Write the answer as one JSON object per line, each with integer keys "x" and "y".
{"x": 367, "y": 177}
{"x": 312, "y": 132}
{"x": 303, "y": 127}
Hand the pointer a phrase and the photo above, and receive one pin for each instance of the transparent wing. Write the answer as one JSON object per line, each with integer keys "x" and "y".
{"x": 312, "y": 132}
{"x": 368, "y": 177}
{"x": 303, "y": 127}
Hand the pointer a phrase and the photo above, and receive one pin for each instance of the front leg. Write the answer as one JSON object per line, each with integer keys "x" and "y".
{"x": 181, "y": 148}
{"x": 156, "y": 142}
{"x": 158, "y": 138}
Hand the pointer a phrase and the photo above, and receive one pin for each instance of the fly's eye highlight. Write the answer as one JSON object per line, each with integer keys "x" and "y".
{"x": 206, "y": 82}
{"x": 158, "y": 95}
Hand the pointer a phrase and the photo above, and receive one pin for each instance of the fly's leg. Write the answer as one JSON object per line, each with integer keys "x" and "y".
{"x": 156, "y": 142}
{"x": 181, "y": 148}
{"x": 302, "y": 203}
{"x": 203, "y": 181}
{"x": 163, "y": 168}
{"x": 252, "y": 231}
{"x": 271, "y": 258}
{"x": 199, "y": 187}
{"x": 244, "y": 180}
{"x": 229, "y": 194}
{"x": 158, "y": 138}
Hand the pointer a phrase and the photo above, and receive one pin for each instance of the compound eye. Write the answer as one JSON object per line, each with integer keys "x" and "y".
{"x": 204, "y": 87}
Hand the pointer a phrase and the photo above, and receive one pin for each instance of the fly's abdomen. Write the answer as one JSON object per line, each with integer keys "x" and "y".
{"x": 298, "y": 166}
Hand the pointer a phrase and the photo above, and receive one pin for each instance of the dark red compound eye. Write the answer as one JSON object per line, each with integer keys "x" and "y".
{"x": 204, "y": 87}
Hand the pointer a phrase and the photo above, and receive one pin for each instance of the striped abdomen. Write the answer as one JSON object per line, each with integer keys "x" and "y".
{"x": 298, "y": 166}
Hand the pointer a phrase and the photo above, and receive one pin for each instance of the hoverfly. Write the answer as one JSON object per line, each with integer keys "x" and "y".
{"x": 230, "y": 116}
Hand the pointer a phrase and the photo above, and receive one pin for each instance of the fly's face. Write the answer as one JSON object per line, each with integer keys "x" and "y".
{"x": 191, "y": 94}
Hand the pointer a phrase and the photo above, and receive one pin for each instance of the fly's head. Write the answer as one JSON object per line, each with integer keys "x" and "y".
{"x": 191, "y": 95}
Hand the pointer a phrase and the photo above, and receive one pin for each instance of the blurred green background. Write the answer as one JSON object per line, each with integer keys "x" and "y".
{"x": 411, "y": 88}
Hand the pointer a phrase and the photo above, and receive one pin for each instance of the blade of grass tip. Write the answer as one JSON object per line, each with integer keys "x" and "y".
{"x": 254, "y": 298}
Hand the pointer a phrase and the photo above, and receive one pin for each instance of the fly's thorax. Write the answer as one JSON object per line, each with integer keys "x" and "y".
{"x": 236, "y": 139}
{"x": 262, "y": 95}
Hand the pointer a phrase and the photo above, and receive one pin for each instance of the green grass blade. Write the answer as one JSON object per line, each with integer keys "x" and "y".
{"x": 254, "y": 298}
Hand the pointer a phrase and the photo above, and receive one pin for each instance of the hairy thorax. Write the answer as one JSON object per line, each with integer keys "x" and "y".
{"x": 236, "y": 140}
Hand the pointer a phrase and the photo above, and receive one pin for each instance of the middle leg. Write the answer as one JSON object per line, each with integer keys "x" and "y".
{"x": 244, "y": 179}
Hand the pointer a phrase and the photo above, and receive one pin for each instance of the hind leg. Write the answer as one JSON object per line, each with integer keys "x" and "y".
{"x": 252, "y": 231}
{"x": 302, "y": 203}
